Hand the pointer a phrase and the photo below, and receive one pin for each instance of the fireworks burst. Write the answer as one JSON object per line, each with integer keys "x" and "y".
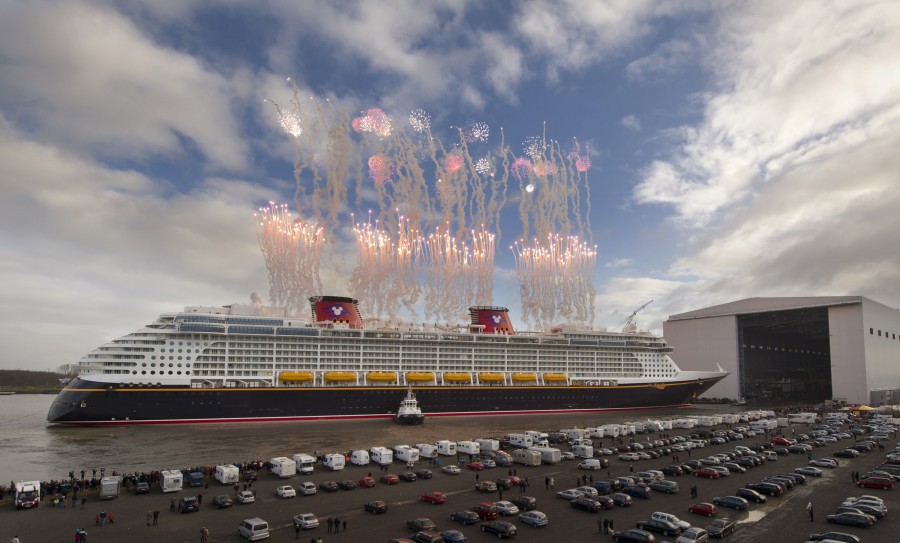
{"x": 477, "y": 132}
{"x": 534, "y": 147}
{"x": 522, "y": 168}
{"x": 453, "y": 163}
{"x": 374, "y": 121}
{"x": 483, "y": 166}
{"x": 420, "y": 120}
{"x": 381, "y": 169}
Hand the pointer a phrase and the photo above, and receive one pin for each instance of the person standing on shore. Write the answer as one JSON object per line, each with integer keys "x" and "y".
{"x": 809, "y": 509}
{"x": 15, "y": 539}
{"x": 204, "y": 535}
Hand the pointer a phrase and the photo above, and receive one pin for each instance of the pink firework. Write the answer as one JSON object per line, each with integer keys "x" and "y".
{"x": 477, "y": 132}
{"x": 522, "y": 168}
{"x": 381, "y": 169}
{"x": 375, "y": 121}
{"x": 453, "y": 163}
{"x": 542, "y": 169}
{"x": 583, "y": 163}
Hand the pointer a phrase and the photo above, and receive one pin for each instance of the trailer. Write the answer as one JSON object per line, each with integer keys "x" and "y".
{"x": 446, "y": 448}
{"x": 109, "y": 487}
{"x": 488, "y": 445}
{"x": 596, "y": 432}
{"x": 611, "y": 430}
{"x": 171, "y": 480}
{"x": 305, "y": 463}
{"x": 527, "y": 457}
{"x": 334, "y": 461}
{"x": 405, "y": 453}
{"x": 360, "y": 458}
{"x": 468, "y": 447}
{"x": 227, "y": 474}
{"x": 549, "y": 455}
{"x": 28, "y": 495}
{"x": 283, "y": 467}
{"x": 521, "y": 440}
{"x": 427, "y": 450}
{"x": 381, "y": 455}
{"x": 583, "y": 451}
{"x": 802, "y": 418}
{"x": 574, "y": 433}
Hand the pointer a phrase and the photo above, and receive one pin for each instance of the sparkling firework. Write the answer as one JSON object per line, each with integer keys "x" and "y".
{"x": 374, "y": 121}
{"x": 583, "y": 163}
{"x": 292, "y": 249}
{"x": 420, "y": 120}
{"x": 522, "y": 168}
{"x": 453, "y": 163}
{"x": 477, "y": 132}
{"x": 381, "y": 169}
{"x": 556, "y": 279}
{"x": 457, "y": 272}
{"x": 483, "y": 166}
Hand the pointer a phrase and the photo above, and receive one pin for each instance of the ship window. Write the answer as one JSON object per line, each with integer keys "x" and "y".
{"x": 187, "y": 373}
{"x": 144, "y": 365}
{"x": 179, "y": 358}
{"x": 170, "y": 372}
{"x": 144, "y": 372}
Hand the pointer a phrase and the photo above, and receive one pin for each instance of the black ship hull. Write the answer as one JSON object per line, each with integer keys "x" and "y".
{"x": 83, "y": 402}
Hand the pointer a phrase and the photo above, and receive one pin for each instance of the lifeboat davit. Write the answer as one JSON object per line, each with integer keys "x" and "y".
{"x": 339, "y": 376}
{"x": 419, "y": 376}
{"x": 382, "y": 376}
{"x": 489, "y": 377}
{"x": 300, "y": 376}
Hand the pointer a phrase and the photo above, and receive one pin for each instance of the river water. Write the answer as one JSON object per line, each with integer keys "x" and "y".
{"x": 30, "y": 448}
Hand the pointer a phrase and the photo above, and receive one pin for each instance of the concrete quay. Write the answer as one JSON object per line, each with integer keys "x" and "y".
{"x": 783, "y": 519}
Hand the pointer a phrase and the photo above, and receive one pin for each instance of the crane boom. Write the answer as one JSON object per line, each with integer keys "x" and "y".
{"x": 630, "y": 319}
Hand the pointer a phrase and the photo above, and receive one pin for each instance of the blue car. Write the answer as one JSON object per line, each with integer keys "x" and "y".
{"x": 638, "y": 491}
{"x": 454, "y": 536}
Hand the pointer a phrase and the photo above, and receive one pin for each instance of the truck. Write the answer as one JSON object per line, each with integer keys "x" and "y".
{"x": 28, "y": 495}
{"x": 360, "y": 458}
{"x": 381, "y": 455}
{"x": 527, "y": 457}
{"x": 334, "y": 461}
{"x": 427, "y": 450}
{"x": 488, "y": 445}
{"x": 407, "y": 454}
{"x": 171, "y": 480}
{"x": 196, "y": 478}
{"x": 446, "y": 448}
{"x": 305, "y": 463}
{"x": 549, "y": 455}
{"x": 611, "y": 430}
{"x": 109, "y": 487}
{"x": 802, "y": 418}
{"x": 227, "y": 474}
{"x": 283, "y": 467}
{"x": 468, "y": 447}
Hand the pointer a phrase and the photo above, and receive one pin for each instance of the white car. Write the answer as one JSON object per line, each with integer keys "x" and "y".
{"x": 567, "y": 456}
{"x": 506, "y": 508}
{"x": 823, "y": 462}
{"x": 245, "y": 496}
{"x": 451, "y": 470}
{"x": 630, "y": 457}
{"x": 307, "y": 488}
{"x": 669, "y": 517}
{"x": 306, "y": 521}
{"x": 569, "y": 494}
{"x": 286, "y": 492}
{"x": 809, "y": 470}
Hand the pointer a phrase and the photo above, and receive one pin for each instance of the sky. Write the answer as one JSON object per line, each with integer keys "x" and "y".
{"x": 738, "y": 149}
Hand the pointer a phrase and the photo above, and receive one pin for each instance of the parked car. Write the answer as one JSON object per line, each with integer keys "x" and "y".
{"x": 707, "y": 473}
{"x": 669, "y": 517}
{"x": 475, "y": 466}
{"x": 620, "y": 499}
{"x": 534, "y": 518}
{"x": 376, "y": 507}
{"x": 142, "y": 487}
{"x": 660, "y": 526}
{"x": 751, "y": 495}
{"x": 500, "y": 527}
{"x": 860, "y": 520}
{"x": 245, "y": 497}
{"x": 693, "y": 535}
{"x": 424, "y": 474}
{"x": 451, "y": 470}
{"x": 486, "y": 486}
{"x": 823, "y": 462}
{"x": 453, "y": 536}
{"x": 586, "y": 504}
{"x": 306, "y": 521}
{"x": 346, "y": 484}
{"x": 569, "y": 494}
{"x": 434, "y": 496}
{"x": 721, "y": 527}
{"x": 525, "y": 503}
{"x": 222, "y": 501}
{"x": 427, "y": 536}
{"x": 286, "y": 492}
{"x": 638, "y": 491}
{"x": 367, "y": 482}
{"x": 421, "y": 524}
{"x": 506, "y": 508}
{"x": 769, "y": 489}
{"x": 835, "y": 536}
{"x": 465, "y": 517}
{"x": 734, "y": 502}
{"x": 704, "y": 508}
{"x": 633, "y": 536}
{"x": 809, "y": 470}
{"x": 408, "y": 476}
{"x": 307, "y": 488}
{"x": 189, "y": 504}
{"x": 329, "y": 486}
{"x": 390, "y": 479}
{"x": 876, "y": 482}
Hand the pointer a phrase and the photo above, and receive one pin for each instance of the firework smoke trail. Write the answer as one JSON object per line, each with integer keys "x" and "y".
{"x": 292, "y": 249}
{"x": 556, "y": 279}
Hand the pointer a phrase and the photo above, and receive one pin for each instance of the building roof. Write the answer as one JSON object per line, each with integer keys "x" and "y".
{"x": 763, "y": 305}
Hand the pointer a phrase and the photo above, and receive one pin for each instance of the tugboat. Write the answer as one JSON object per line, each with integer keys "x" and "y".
{"x": 409, "y": 411}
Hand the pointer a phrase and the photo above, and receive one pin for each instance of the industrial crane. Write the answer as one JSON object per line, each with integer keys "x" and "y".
{"x": 630, "y": 320}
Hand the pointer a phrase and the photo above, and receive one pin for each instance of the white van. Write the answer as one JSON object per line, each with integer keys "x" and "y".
{"x": 305, "y": 463}
{"x": 170, "y": 480}
{"x": 381, "y": 455}
{"x": 359, "y": 458}
{"x": 334, "y": 462}
{"x": 227, "y": 474}
{"x": 283, "y": 467}
{"x": 254, "y": 529}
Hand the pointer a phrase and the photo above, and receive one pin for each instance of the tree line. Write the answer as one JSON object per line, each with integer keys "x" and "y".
{"x": 28, "y": 378}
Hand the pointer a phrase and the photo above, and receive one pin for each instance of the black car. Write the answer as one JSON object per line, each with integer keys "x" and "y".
{"x": 465, "y": 517}
{"x": 633, "y": 536}
{"x": 427, "y": 536}
{"x": 376, "y": 507}
{"x": 408, "y": 476}
{"x": 751, "y": 495}
{"x": 769, "y": 489}
{"x": 525, "y": 503}
{"x": 222, "y": 501}
{"x": 346, "y": 484}
{"x": 860, "y": 520}
{"x": 500, "y": 527}
{"x": 421, "y": 524}
{"x": 835, "y": 536}
{"x": 845, "y": 453}
{"x": 142, "y": 488}
{"x": 504, "y": 482}
{"x": 424, "y": 474}
{"x": 721, "y": 527}
{"x": 189, "y": 504}
{"x": 586, "y": 504}
{"x": 734, "y": 502}
{"x": 672, "y": 470}
{"x": 329, "y": 486}
{"x": 660, "y": 526}
{"x": 638, "y": 491}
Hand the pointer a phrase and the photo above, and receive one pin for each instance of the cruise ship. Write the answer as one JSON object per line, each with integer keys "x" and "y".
{"x": 251, "y": 363}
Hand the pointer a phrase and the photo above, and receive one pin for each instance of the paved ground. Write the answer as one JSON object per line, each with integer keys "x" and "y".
{"x": 783, "y": 520}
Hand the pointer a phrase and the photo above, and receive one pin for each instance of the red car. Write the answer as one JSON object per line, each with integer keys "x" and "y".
{"x": 707, "y": 473}
{"x": 704, "y": 508}
{"x": 514, "y": 480}
{"x": 476, "y": 466}
{"x": 435, "y": 496}
{"x": 367, "y": 482}
{"x": 390, "y": 479}
{"x": 486, "y": 511}
{"x": 778, "y": 440}
{"x": 882, "y": 483}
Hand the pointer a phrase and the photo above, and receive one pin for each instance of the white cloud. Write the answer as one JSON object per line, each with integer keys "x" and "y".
{"x": 620, "y": 263}
{"x": 631, "y": 122}
{"x": 663, "y": 63}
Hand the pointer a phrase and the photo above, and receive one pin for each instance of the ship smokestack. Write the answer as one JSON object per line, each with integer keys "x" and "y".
{"x": 337, "y": 309}
{"x": 494, "y": 320}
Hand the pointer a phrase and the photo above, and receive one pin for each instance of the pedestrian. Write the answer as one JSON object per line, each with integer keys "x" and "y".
{"x": 109, "y": 517}
{"x": 599, "y": 526}
{"x": 97, "y": 520}
{"x": 155, "y": 517}
{"x": 337, "y": 524}
{"x": 172, "y": 505}
{"x": 631, "y": 468}
{"x": 330, "y": 523}
{"x": 199, "y": 499}
{"x": 296, "y": 531}
{"x": 547, "y": 483}
{"x": 149, "y": 517}
{"x": 552, "y": 483}
{"x": 15, "y": 539}
{"x": 606, "y": 526}
{"x": 345, "y": 525}
{"x": 83, "y": 501}
{"x": 476, "y": 476}
{"x": 809, "y": 509}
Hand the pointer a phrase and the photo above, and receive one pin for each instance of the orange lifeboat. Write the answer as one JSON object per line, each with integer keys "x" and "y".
{"x": 458, "y": 377}
{"x": 382, "y": 376}
{"x": 555, "y": 377}
{"x": 524, "y": 377}
{"x": 419, "y": 376}
{"x": 298, "y": 376}
{"x": 339, "y": 376}
{"x": 490, "y": 377}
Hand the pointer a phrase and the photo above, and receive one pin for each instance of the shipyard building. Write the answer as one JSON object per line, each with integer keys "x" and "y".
{"x": 794, "y": 349}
